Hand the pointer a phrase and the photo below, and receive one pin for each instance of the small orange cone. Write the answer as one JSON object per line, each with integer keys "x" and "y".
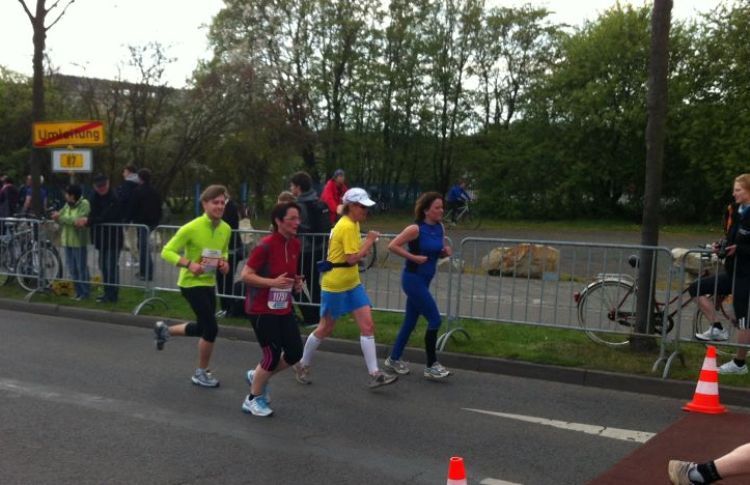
{"x": 456, "y": 471}
{"x": 706, "y": 398}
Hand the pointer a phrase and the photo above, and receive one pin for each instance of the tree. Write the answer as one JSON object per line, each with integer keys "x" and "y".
{"x": 453, "y": 29}
{"x": 15, "y": 119}
{"x": 517, "y": 46}
{"x": 655, "y": 134}
{"x": 40, "y": 28}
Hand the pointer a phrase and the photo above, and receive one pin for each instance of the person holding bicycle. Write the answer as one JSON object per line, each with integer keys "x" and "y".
{"x": 735, "y": 280}
{"x": 342, "y": 291}
{"x": 426, "y": 243}
{"x": 457, "y": 198}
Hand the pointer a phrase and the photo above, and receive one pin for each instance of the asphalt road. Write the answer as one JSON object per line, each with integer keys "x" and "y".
{"x": 87, "y": 402}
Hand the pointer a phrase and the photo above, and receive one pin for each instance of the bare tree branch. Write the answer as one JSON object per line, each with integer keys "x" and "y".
{"x": 65, "y": 9}
{"x": 26, "y": 9}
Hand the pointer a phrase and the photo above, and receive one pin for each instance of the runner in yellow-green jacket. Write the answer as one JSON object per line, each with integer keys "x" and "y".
{"x": 200, "y": 248}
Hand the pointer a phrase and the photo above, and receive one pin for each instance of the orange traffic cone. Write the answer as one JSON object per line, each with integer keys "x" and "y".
{"x": 456, "y": 471}
{"x": 706, "y": 398}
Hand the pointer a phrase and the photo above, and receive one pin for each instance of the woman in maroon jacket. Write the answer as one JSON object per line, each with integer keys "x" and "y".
{"x": 271, "y": 274}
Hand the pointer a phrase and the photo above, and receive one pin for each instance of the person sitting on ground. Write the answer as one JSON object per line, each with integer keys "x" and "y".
{"x": 735, "y": 280}
{"x": 734, "y": 463}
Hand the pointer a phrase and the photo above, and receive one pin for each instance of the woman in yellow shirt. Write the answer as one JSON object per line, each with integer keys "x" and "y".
{"x": 342, "y": 291}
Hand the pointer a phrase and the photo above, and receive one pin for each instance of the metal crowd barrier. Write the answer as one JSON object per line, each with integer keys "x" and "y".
{"x": 572, "y": 285}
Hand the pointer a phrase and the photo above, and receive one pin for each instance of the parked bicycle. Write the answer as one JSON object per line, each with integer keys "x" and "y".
{"x": 607, "y": 309}
{"x": 13, "y": 243}
{"x": 39, "y": 262}
{"x": 465, "y": 217}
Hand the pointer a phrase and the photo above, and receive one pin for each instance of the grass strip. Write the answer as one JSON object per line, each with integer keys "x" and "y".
{"x": 542, "y": 345}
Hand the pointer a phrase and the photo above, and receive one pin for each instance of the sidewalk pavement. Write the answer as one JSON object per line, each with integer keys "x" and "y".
{"x": 695, "y": 437}
{"x": 584, "y": 377}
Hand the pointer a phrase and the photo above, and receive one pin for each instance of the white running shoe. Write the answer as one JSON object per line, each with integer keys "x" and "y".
{"x": 713, "y": 334}
{"x": 302, "y": 373}
{"x": 436, "y": 371}
{"x": 257, "y": 407}
{"x": 732, "y": 368}
{"x": 397, "y": 366}
{"x": 204, "y": 378}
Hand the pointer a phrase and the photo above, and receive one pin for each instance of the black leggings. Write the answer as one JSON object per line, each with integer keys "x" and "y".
{"x": 202, "y": 300}
{"x": 277, "y": 334}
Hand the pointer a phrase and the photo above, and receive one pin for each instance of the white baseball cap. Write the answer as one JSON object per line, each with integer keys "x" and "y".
{"x": 356, "y": 195}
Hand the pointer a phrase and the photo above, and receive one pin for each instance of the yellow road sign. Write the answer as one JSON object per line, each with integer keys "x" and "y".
{"x": 68, "y": 133}
{"x": 72, "y": 160}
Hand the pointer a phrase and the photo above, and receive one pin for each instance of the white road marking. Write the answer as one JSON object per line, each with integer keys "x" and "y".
{"x": 603, "y": 431}
{"x": 495, "y": 481}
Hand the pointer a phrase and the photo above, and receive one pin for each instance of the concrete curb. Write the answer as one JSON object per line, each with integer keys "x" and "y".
{"x": 568, "y": 375}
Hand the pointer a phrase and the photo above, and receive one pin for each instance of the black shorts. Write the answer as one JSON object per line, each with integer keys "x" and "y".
{"x": 724, "y": 284}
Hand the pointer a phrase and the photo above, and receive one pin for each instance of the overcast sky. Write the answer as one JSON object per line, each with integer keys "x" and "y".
{"x": 94, "y": 34}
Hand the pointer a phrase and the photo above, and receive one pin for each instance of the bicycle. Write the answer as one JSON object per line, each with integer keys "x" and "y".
{"x": 607, "y": 309}
{"x": 40, "y": 263}
{"x": 465, "y": 217}
{"x": 13, "y": 244}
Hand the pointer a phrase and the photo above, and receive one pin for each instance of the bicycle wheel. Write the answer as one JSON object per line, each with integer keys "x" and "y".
{"x": 30, "y": 265}
{"x": 725, "y": 312}
{"x": 606, "y": 310}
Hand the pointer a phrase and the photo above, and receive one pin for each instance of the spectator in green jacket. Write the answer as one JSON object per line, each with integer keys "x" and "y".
{"x": 75, "y": 238}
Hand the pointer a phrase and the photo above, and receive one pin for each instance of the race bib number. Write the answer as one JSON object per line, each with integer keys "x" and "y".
{"x": 210, "y": 260}
{"x": 279, "y": 298}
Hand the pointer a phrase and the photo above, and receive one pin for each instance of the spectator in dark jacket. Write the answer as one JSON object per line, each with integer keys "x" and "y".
{"x": 8, "y": 197}
{"x": 314, "y": 248}
{"x": 108, "y": 239}
{"x": 225, "y": 282}
{"x": 145, "y": 210}
{"x": 125, "y": 196}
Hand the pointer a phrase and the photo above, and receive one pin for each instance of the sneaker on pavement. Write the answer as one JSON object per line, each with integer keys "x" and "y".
{"x": 162, "y": 334}
{"x": 714, "y": 334}
{"x": 436, "y": 371}
{"x": 732, "y": 368}
{"x": 397, "y": 366}
{"x": 249, "y": 376}
{"x": 204, "y": 378}
{"x": 678, "y": 472}
{"x": 302, "y": 373}
{"x": 381, "y": 378}
{"x": 257, "y": 406}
